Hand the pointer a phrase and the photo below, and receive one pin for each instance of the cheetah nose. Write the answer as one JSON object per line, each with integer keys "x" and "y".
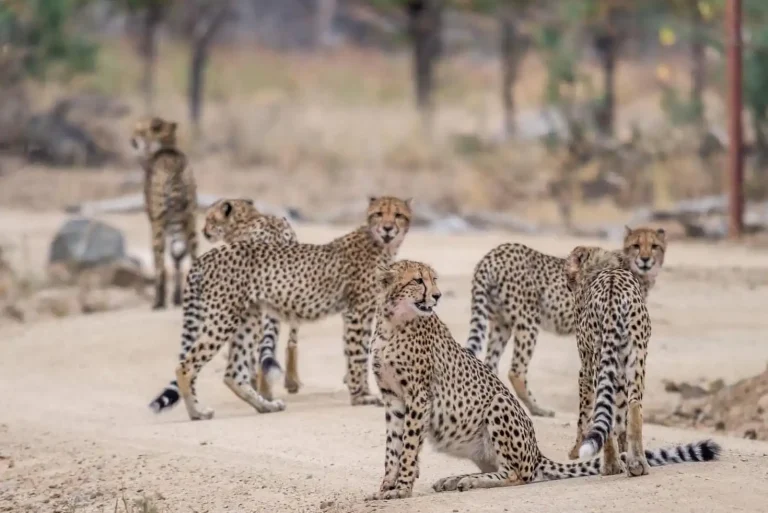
{"x": 645, "y": 259}
{"x": 436, "y": 296}
{"x": 134, "y": 144}
{"x": 387, "y": 229}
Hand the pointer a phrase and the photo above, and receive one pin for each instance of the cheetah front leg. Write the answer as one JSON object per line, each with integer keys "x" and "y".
{"x": 526, "y": 333}
{"x": 158, "y": 255}
{"x": 415, "y": 419}
{"x": 292, "y": 382}
{"x": 394, "y": 416}
{"x": 357, "y": 338}
{"x": 514, "y": 454}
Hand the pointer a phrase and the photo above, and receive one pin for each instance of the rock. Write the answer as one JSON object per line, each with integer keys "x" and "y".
{"x": 85, "y": 243}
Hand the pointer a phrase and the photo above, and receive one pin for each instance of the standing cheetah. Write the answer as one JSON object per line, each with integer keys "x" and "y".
{"x": 230, "y": 220}
{"x": 295, "y": 282}
{"x": 170, "y": 198}
{"x": 265, "y": 230}
{"x": 612, "y": 333}
{"x": 432, "y": 386}
{"x": 516, "y": 290}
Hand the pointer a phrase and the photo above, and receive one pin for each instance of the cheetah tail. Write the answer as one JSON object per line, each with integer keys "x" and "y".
{"x": 481, "y": 311}
{"x": 703, "y": 450}
{"x": 167, "y": 398}
{"x": 548, "y": 470}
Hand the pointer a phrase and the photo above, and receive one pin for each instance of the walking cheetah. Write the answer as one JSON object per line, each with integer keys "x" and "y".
{"x": 516, "y": 290}
{"x": 170, "y": 197}
{"x": 612, "y": 333}
{"x": 432, "y": 386}
{"x": 295, "y": 282}
{"x": 229, "y": 220}
{"x": 265, "y": 230}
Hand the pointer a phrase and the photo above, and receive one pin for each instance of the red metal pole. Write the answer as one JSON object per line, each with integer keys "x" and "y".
{"x": 735, "y": 150}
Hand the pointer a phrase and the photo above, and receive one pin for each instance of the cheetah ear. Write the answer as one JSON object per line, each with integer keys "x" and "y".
{"x": 172, "y": 126}
{"x": 249, "y": 201}
{"x": 155, "y": 124}
{"x": 226, "y": 207}
{"x": 627, "y": 230}
{"x": 386, "y": 276}
{"x": 661, "y": 233}
{"x": 409, "y": 202}
{"x": 372, "y": 199}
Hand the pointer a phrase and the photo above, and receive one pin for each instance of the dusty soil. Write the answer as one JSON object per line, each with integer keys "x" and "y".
{"x": 76, "y": 433}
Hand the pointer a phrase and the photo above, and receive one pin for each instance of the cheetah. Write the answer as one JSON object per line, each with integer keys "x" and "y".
{"x": 229, "y": 220}
{"x": 517, "y": 290}
{"x": 612, "y": 333}
{"x": 170, "y": 198}
{"x": 433, "y": 387}
{"x": 265, "y": 230}
{"x": 296, "y": 282}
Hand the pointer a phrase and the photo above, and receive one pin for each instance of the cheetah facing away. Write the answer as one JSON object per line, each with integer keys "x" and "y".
{"x": 230, "y": 220}
{"x": 433, "y": 387}
{"x": 264, "y": 230}
{"x": 294, "y": 282}
{"x": 517, "y": 290}
{"x": 170, "y": 198}
{"x": 612, "y": 333}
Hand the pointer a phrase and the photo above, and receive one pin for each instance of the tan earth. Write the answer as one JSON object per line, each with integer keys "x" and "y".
{"x": 76, "y": 434}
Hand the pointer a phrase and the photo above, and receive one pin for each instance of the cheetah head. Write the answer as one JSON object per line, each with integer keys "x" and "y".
{"x": 225, "y": 215}
{"x": 585, "y": 261}
{"x": 152, "y": 134}
{"x": 645, "y": 248}
{"x": 389, "y": 219}
{"x": 409, "y": 289}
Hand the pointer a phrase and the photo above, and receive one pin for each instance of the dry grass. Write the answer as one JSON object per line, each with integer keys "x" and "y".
{"x": 340, "y": 124}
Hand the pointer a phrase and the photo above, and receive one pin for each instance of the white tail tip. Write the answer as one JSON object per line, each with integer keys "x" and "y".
{"x": 274, "y": 374}
{"x": 587, "y": 449}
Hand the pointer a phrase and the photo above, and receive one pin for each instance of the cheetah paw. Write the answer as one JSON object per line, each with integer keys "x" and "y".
{"x": 538, "y": 411}
{"x": 271, "y": 406}
{"x": 612, "y": 469}
{"x": 637, "y": 467}
{"x": 292, "y": 385}
{"x": 394, "y": 493}
{"x": 367, "y": 400}
{"x": 202, "y": 414}
{"x": 447, "y": 484}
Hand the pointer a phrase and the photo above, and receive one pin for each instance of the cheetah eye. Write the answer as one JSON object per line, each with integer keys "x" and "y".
{"x": 636, "y": 246}
{"x": 399, "y": 216}
{"x": 655, "y": 247}
{"x": 418, "y": 281}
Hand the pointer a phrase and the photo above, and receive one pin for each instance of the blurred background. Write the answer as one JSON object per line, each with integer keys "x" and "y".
{"x": 574, "y": 115}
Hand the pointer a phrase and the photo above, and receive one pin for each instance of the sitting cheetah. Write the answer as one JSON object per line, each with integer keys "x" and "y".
{"x": 229, "y": 220}
{"x": 516, "y": 290}
{"x": 295, "y": 282}
{"x": 170, "y": 197}
{"x": 612, "y": 332}
{"x": 265, "y": 230}
{"x": 432, "y": 386}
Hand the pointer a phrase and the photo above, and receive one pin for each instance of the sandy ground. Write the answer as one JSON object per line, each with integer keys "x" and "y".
{"x": 76, "y": 433}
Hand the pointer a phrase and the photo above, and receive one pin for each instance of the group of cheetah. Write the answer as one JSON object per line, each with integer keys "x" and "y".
{"x": 239, "y": 292}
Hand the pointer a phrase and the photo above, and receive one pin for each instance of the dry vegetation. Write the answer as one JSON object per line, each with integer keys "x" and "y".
{"x": 344, "y": 125}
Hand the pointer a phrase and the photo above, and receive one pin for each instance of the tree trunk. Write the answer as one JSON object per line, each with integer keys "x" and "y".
{"x": 605, "y": 44}
{"x": 148, "y": 50}
{"x": 513, "y": 48}
{"x": 203, "y": 31}
{"x": 425, "y": 27}
{"x": 324, "y": 14}
{"x": 698, "y": 61}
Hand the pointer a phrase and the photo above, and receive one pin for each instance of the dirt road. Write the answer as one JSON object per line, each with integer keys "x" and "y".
{"x": 76, "y": 433}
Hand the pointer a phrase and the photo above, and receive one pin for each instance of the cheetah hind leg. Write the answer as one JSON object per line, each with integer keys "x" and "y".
{"x": 508, "y": 455}
{"x": 292, "y": 382}
{"x": 525, "y": 343}
{"x": 237, "y": 378}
